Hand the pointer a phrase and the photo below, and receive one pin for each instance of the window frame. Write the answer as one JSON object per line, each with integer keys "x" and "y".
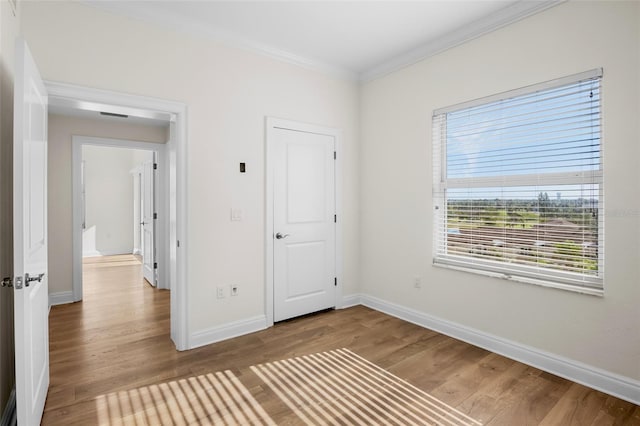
{"x": 556, "y": 278}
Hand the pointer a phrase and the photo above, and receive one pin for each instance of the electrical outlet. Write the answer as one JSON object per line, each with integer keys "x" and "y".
{"x": 234, "y": 289}
{"x": 220, "y": 293}
{"x": 417, "y": 282}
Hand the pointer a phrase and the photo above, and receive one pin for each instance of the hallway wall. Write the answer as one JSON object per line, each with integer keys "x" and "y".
{"x": 61, "y": 131}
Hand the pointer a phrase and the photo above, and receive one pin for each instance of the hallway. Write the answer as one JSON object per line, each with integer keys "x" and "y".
{"x": 116, "y": 338}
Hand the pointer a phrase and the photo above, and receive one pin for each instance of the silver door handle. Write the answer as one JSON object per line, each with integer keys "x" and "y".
{"x": 28, "y": 279}
{"x": 279, "y": 236}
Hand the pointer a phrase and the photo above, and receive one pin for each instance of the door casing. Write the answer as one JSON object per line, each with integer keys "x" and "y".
{"x": 161, "y": 206}
{"x": 176, "y": 149}
{"x": 272, "y": 124}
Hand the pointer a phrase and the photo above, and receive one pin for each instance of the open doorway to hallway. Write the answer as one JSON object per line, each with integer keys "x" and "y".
{"x": 127, "y": 113}
{"x": 119, "y": 210}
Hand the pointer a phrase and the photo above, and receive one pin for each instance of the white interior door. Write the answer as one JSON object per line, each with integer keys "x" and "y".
{"x": 304, "y": 261}
{"x": 148, "y": 223}
{"x": 30, "y": 281}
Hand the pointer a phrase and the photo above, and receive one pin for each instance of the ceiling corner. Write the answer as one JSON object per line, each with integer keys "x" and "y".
{"x": 513, "y": 13}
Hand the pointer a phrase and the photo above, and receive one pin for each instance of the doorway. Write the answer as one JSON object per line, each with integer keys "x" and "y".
{"x": 103, "y": 204}
{"x": 171, "y": 234}
{"x": 303, "y": 232}
{"x": 118, "y": 202}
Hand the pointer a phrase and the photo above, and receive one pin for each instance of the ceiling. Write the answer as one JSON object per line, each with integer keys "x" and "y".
{"x": 357, "y": 39}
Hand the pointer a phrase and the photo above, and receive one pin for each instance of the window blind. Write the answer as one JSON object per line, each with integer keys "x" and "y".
{"x": 518, "y": 184}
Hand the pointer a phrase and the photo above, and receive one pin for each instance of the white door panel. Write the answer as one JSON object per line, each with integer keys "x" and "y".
{"x": 148, "y": 223}
{"x": 308, "y": 281}
{"x": 304, "y": 209}
{"x": 306, "y": 180}
{"x": 31, "y": 297}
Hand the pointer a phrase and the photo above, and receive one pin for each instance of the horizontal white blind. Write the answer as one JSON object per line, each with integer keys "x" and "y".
{"x": 518, "y": 185}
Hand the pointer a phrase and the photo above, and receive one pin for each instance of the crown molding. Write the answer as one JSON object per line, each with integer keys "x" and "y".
{"x": 495, "y": 21}
{"x": 154, "y": 16}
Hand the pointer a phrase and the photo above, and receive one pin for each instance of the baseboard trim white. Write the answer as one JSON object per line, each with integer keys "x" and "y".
{"x": 350, "y": 301}
{"x": 227, "y": 331}
{"x": 61, "y": 298}
{"x": 598, "y": 379}
{"x": 9, "y": 413}
{"x": 95, "y": 253}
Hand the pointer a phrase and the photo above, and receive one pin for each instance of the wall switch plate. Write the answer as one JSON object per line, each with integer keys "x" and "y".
{"x": 220, "y": 293}
{"x": 236, "y": 215}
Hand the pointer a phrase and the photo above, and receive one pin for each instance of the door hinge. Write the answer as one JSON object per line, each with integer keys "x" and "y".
{"x": 155, "y": 215}
{"x": 155, "y": 166}
{"x": 335, "y": 218}
{"x": 335, "y": 155}
{"x": 335, "y": 281}
{"x": 155, "y": 265}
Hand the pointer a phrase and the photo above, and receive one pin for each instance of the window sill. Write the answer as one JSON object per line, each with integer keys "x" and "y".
{"x": 526, "y": 280}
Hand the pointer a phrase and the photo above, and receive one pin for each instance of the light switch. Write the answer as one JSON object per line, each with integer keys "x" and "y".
{"x": 236, "y": 215}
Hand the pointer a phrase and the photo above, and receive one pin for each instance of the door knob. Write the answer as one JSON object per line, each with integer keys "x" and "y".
{"x": 280, "y": 236}
{"x": 28, "y": 279}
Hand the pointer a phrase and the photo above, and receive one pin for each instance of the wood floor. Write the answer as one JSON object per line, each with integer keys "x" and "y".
{"x": 116, "y": 342}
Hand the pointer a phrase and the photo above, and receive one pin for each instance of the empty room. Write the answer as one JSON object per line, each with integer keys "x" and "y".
{"x": 320, "y": 212}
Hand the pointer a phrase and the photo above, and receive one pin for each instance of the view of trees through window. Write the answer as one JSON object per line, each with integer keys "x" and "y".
{"x": 543, "y": 231}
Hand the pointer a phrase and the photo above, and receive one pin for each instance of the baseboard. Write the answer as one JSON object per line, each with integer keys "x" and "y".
{"x": 60, "y": 298}
{"x": 95, "y": 253}
{"x": 604, "y": 381}
{"x": 350, "y": 301}
{"x": 9, "y": 413}
{"x": 227, "y": 331}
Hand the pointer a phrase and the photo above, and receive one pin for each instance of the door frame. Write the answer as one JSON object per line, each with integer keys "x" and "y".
{"x": 176, "y": 153}
{"x": 272, "y": 124}
{"x": 160, "y": 191}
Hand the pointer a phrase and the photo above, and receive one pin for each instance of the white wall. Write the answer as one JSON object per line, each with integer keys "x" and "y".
{"x": 109, "y": 201}
{"x": 229, "y": 92}
{"x": 9, "y": 29}
{"x": 396, "y": 182}
{"x": 61, "y": 131}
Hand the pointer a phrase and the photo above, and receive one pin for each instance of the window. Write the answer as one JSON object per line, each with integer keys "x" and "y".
{"x": 518, "y": 189}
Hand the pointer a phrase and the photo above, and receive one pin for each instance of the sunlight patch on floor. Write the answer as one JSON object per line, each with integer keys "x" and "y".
{"x": 341, "y": 387}
{"x": 215, "y": 398}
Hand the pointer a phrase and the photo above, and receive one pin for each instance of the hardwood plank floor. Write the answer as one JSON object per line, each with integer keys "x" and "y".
{"x": 116, "y": 342}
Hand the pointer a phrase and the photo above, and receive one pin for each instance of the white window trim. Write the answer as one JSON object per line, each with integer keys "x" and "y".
{"x": 509, "y": 271}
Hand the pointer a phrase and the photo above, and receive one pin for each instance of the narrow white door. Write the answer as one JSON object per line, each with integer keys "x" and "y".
{"x": 31, "y": 294}
{"x": 304, "y": 229}
{"x": 148, "y": 223}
